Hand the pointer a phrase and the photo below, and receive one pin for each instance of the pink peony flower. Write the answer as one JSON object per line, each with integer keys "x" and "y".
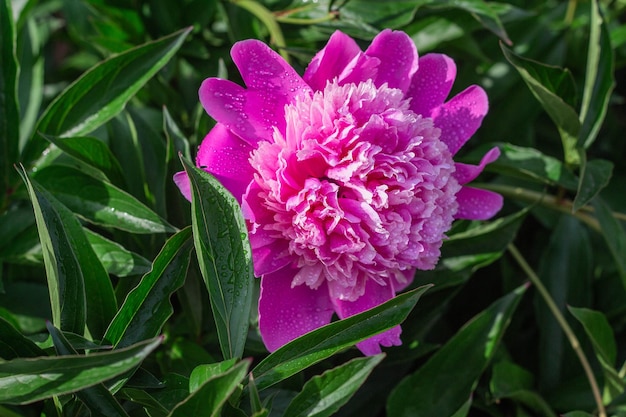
{"x": 345, "y": 175}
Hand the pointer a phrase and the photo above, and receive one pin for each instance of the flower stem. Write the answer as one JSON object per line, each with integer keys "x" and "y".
{"x": 547, "y": 200}
{"x": 569, "y": 333}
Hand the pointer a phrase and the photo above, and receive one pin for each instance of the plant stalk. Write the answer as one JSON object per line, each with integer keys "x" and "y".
{"x": 569, "y": 333}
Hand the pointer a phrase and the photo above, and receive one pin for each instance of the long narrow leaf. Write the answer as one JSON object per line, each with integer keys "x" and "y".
{"x": 9, "y": 107}
{"x": 602, "y": 339}
{"x": 442, "y": 385}
{"x": 613, "y": 234}
{"x": 324, "y": 394}
{"x": 103, "y": 91}
{"x": 98, "y": 398}
{"x": 147, "y": 307}
{"x": 115, "y": 258}
{"x": 24, "y": 381}
{"x": 225, "y": 258}
{"x": 324, "y": 342}
{"x": 599, "y": 81}
{"x": 80, "y": 289}
{"x": 94, "y": 153}
{"x": 14, "y": 344}
{"x": 208, "y": 400}
{"x": 562, "y": 114}
{"x": 99, "y": 202}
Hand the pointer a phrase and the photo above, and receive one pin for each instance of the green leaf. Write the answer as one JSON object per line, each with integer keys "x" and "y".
{"x": 324, "y": 342}
{"x": 31, "y": 76}
{"x": 115, "y": 258}
{"x": 613, "y": 234}
{"x": 577, "y": 414}
{"x": 80, "y": 289}
{"x": 594, "y": 176}
{"x": 464, "y": 410}
{"x": 481, "y": 11}
{"x": 147, "y": 307}
{"x": 99, "y": 202}
{"x": 98, "y": 399}
{"x": 9, "y": 107}
{"x": 14, "y": 344}
{"x": 491, "y": 237}
{"x": 207, "y": 400}
{"x": 530, "y": 163}
{"x": 224, "y": 256}
{"x": 103, "y": 91}
{"x": 513, "y": 382}
{"x": 380, "y": 14}
{"x": 602, "y": 338}
{"x": 443, "y": 384}
{"x": 203, "y": 373}
{"x": 325, "y": 394}
{"x": 92, "y": 152}
{"x": 599, "y": 81}
{"x": 24, "y": 381}
{"x": 566, "y": 270}
{"x": 536, "y": 76}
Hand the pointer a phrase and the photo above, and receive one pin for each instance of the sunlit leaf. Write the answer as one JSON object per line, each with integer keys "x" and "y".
{"x": 98, "y": 398}
{"x": 209, "y": 398}
{"x": 29, "y": 380}
{"x": 115, "y": 258}
{"x": 103, "y": 91}
{"x": 94, "y": 153}
{"x": 203, "y": 373}
{"x": 80, "y": 290}
{"x": 324, "y": 342}
{"x": 599, "y": 81}
{"x": 100, "y": 202}
{"x": 147, "y": 307}
{"x": 324, "y": 394}
{"x": 224, "y": 256}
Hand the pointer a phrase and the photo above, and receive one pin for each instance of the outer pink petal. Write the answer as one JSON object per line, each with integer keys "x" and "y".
{"x": 332, "y": 60}
{"x": 374, "y": 295}
{"x": 477, "y": 204}
{"x": 182, "y": 182}
{"x": 460, "y": 117}
{"x": 271, "y": 83}
{"x": 431, "y": 83}
{"x": 465, "y": 173}
{"x": 398, "y": 59}
{"x": 225, "y": 156}
{"x": 286, "y": 313}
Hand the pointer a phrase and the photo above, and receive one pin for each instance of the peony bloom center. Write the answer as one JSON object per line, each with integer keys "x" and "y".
{"x": 359, "y": 186}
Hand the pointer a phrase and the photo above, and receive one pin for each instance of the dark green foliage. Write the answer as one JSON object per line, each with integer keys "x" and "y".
{"x": 99, "y": 107}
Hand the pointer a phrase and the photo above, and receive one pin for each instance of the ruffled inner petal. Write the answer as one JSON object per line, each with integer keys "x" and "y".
{"x": 225, "y": 156}
{"x": 477, "y": 204}
{"x": 375, "y": 295}
{"x": 397, "y": 57}
{"x": 432, "y": 83}
{"x": 465, "y": 173}
{"x": 460, "y": 117}
{"x": 286, "y": 313}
